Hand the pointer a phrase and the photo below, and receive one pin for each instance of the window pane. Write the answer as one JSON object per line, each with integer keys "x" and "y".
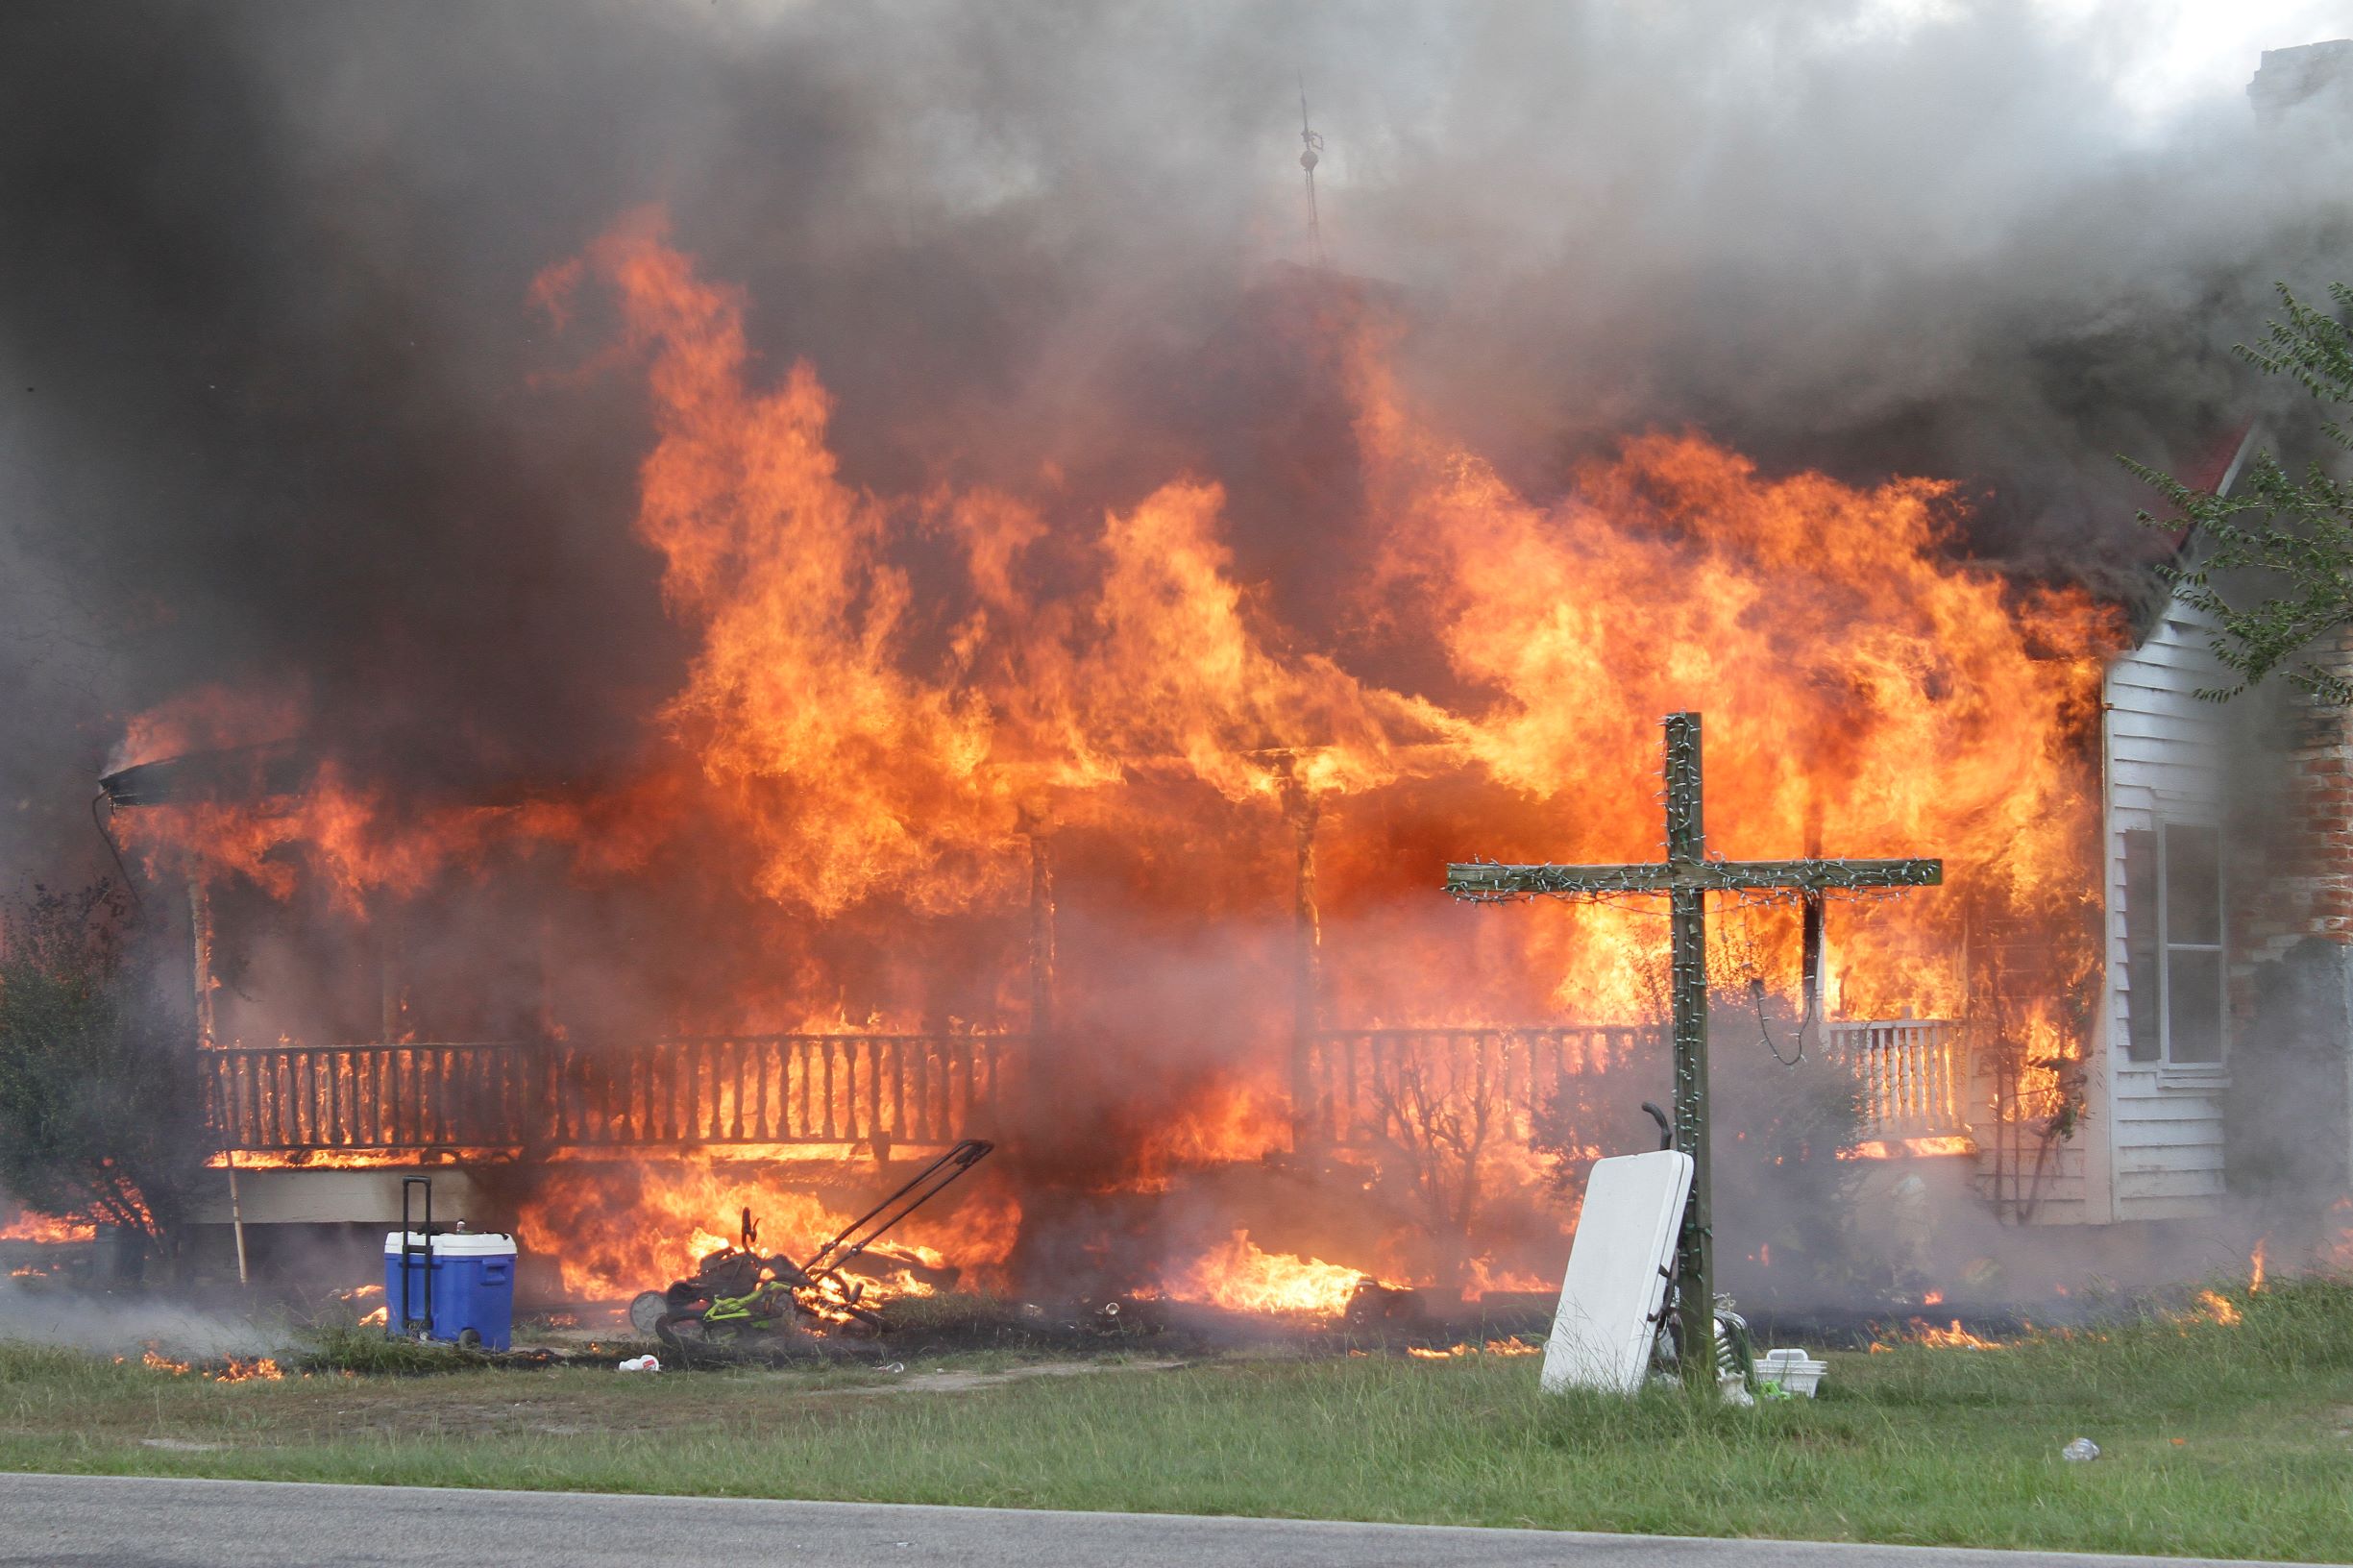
{"x": 2141, "y": 983}
{"x": 2192, "y": 884}
{"x": 2193, "y": 1005}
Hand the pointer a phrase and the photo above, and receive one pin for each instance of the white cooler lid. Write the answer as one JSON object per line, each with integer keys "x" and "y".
{"x": 455, "y": 1244}
{"x": 1616, "y": 1279}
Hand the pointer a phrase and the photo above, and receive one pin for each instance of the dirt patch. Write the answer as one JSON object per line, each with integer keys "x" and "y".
{"x": 957, "y": 1381}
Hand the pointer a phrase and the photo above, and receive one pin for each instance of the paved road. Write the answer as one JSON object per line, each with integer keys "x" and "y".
{"x": 148, "y": 1522}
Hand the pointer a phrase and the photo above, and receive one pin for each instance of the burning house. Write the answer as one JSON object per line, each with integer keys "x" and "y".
{"x": 1077, "y": 770}
{"x": 1077, "y": 850}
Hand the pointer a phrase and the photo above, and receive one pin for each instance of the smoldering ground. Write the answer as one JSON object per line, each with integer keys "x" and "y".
{"x": 125, "y": 1325}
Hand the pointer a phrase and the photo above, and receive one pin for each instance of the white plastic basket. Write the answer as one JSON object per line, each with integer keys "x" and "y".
{"x": 1794, "y": 1370}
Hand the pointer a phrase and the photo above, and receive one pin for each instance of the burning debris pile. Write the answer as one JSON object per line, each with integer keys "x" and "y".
{"x": 737, "y": 1291}
{"x": 993, "y": 810}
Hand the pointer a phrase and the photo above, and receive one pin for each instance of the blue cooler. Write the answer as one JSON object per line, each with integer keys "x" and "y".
{"x": 472, "y": 1286}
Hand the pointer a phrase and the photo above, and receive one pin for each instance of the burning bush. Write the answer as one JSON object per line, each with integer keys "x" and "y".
{"x": 1787, "y": 1121}
{"x": 98, "y": 1102}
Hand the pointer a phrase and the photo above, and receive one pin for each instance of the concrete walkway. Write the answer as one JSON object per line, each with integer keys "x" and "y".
{"x": 148, "y": 1522}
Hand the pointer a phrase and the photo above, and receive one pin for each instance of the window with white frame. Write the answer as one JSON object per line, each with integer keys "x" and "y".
{"x": 2173, "y": 936}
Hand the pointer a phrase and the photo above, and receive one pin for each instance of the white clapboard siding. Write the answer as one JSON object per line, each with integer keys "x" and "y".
{"x": 2165, "y": 755}
{"x": 2047, "y": 1189}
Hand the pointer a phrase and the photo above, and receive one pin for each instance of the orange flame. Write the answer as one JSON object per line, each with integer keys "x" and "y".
{"x": 1240, "y": 1278}
{"x": 260, "y": 1370}
{"x": 32, "y": 1227}
{"x": 2219, "y": 1308}
{"x": 615, "y": 1234}
{"x": 1929, "y": 1336}
{"x": 869, "y": 743}
{"x": 1492, "y": 1347}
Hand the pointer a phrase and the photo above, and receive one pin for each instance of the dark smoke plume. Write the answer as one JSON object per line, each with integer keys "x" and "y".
{"x": 275, "y": 409}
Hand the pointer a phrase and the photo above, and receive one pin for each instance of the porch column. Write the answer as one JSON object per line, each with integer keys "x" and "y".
{"x": 199, "y": 957}
{"x": 1304, "y": 812}
{"x": 1036, "y": 825}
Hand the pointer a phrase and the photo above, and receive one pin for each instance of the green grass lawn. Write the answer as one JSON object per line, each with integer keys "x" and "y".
{"x": 2217, "y": 1441}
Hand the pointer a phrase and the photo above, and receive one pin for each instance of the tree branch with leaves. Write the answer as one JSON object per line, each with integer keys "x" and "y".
{"x": 2272, "y": 569}
{"x": 99, "y": 1117}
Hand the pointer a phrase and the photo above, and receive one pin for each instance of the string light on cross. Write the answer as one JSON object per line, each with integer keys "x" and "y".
{"x": 1687, "y": 876}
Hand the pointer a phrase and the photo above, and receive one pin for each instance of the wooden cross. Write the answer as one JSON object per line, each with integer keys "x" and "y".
{"x": 1687, "y": 876}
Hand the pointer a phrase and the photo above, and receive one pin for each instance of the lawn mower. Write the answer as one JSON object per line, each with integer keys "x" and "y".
{"x": 737, "y": 1294}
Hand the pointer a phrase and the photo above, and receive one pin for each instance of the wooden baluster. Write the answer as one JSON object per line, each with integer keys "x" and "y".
{"x": 457, "y": 1099}
{"x": 852, "y": 1051}
{"x": 679, "y": 1085}
{"x": 1893, "y": 1050}
{"x": 331, "y": 1120}
{"x": 849, "y": 1091}
{"x": 635, "y": 1067}
{"x": 750, "y": 1073}
{"x": 671, "y": 1083}
{"x": 1866, "y": 1069}
{"x": 1891, "y": 1062}
{"x": 959, "y": 1115}
{"x": 700, "y": 1089}
{"x": 458, "y": 1117}
{"x": 733, "y": 1052}
{"x": 1889, "y": 1106}
{"x": 806, "y": 1074}
{"x": 826, "y": 1044}
{"x": 646, "y": 1069}
{"x": 1904, "y": 1078}
{"x": 660, "y": 1066}
{"x": 1949, "y": 1102}
{"x": 874, "y": 1053}
{"x": 702, "y": 1094}
{"x": 893, "y": 1053}
{"x": 1916, "y": 1076}
{"x": 758, "y": 1051}
{"x": 1916, "y": 1079}
{"x": 735, "y": 1078}
{"x": 671, "y": 1128}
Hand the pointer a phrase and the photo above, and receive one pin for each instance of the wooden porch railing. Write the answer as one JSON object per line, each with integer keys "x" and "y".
{"x": 933, "y": 1089}
{"x": 1362, "y": 1078}
{"x": 1910, "y": 1071}
{"x": 531, "y": 1095}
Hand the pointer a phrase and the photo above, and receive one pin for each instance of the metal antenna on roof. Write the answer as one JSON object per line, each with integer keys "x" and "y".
{"x": 1311, "y": 154}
